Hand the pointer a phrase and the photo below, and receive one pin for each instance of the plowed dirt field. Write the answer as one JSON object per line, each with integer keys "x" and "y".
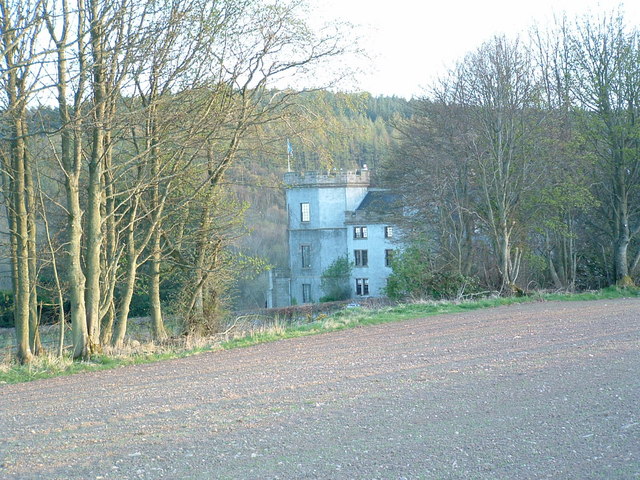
{"x": 541, "y": 390}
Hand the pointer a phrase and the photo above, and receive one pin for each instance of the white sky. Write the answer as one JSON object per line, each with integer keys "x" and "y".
{"x": 411, "y": 42}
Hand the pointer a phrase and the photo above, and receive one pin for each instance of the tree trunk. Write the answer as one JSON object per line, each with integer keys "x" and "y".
{"x": 111, "y": 256}
{"x": 75, "y": 275}
{"x": 34, "y": 317}
{"x": 22, "y": 288}
{"x": 621, "y": 261}
{"x": 505, "y": 253}
{"x": 71, "y": 159}
{"x": 552, "y": 268}
{"x": 106, "y": 331}
{"x": 125, "y": 301}
{"x": 623, "y": 239}
{"x": 22, "y": 328}
{"x": 93, "y": 241}
{"x": 13, "y": 52}
{"x": 93, "y": 237}
{"x": 157, "y": 322}
{"x": 130, "y": 279}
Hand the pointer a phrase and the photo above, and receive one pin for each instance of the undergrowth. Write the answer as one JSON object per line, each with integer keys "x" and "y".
{"x": 135, "y": 353}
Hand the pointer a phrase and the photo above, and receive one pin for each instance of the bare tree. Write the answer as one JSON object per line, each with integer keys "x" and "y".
{"x": 478, "y": 130}
{"x": 432, "y": 150}
{"x": 564, "y": 196}
{"x": 605, "y": 59}
{"x": 256, "y": 46}
{"x": 151, "y": 96}
{"x": 66, "y": 27}
{"x": 19, "y": 30}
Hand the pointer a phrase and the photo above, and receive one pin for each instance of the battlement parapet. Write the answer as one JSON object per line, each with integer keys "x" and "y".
{"x": 329, "y": 179}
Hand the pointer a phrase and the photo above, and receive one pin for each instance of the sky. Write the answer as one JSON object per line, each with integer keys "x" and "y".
{"x": 411, "y": 42}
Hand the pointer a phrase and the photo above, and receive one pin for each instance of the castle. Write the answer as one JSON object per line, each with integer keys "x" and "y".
{"x": 330, "y": 216}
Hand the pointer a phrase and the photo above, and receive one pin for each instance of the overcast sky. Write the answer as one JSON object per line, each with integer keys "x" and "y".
{"x": 412, "y": 41}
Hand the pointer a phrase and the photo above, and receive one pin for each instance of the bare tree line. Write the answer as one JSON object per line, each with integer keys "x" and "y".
{"x": 153, "y": 101}
{"x": 522, "y": 165}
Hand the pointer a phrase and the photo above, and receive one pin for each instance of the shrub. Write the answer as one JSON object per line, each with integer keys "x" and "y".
{"x": 6, "y": 309}
{"x": 416, "y": 275}
{"x": 335, "y": 281}
{"x": 49, "y": 310}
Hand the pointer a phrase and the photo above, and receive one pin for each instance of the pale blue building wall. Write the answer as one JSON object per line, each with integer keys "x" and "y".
{"x": 325, "y": 234}
{"x": 376, "y": 245}
{"x": 333, "y": 201}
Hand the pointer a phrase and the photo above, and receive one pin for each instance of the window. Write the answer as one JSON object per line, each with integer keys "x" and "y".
{"x": 306, "y": 293}
{"x": 388, "y": 257}
{"x": 359, "y": 232}
{"x": 362, "y": 286}
{"x": 305, "y": 212}
{"x": 361, "y": 257}
{"x": 305, "y": 250}
{"x": 388, "y": 232}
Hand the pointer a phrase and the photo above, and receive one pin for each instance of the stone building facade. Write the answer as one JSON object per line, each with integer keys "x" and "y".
{"x": 330, "y": 216}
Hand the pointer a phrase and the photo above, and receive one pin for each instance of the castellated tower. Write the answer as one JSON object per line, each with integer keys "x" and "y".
{"x": 333, "y": 215}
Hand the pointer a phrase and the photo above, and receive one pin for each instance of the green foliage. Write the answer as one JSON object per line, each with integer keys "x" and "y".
{"x": 48, "y": 309}
{"x": 415, "y": 275}
{"x": 626, "y": 282}
{"x": 335, "y": 280}
{"x": 6, "y": 309}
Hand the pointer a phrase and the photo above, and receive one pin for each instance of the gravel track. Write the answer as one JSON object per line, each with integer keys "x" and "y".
{"x": 539, "y": 390}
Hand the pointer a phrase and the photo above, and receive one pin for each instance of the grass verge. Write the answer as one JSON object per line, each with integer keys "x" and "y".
{"x": 49, "y": 366}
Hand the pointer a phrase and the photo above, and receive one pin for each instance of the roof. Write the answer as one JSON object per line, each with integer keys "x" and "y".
{"x": 379, "y": 201}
